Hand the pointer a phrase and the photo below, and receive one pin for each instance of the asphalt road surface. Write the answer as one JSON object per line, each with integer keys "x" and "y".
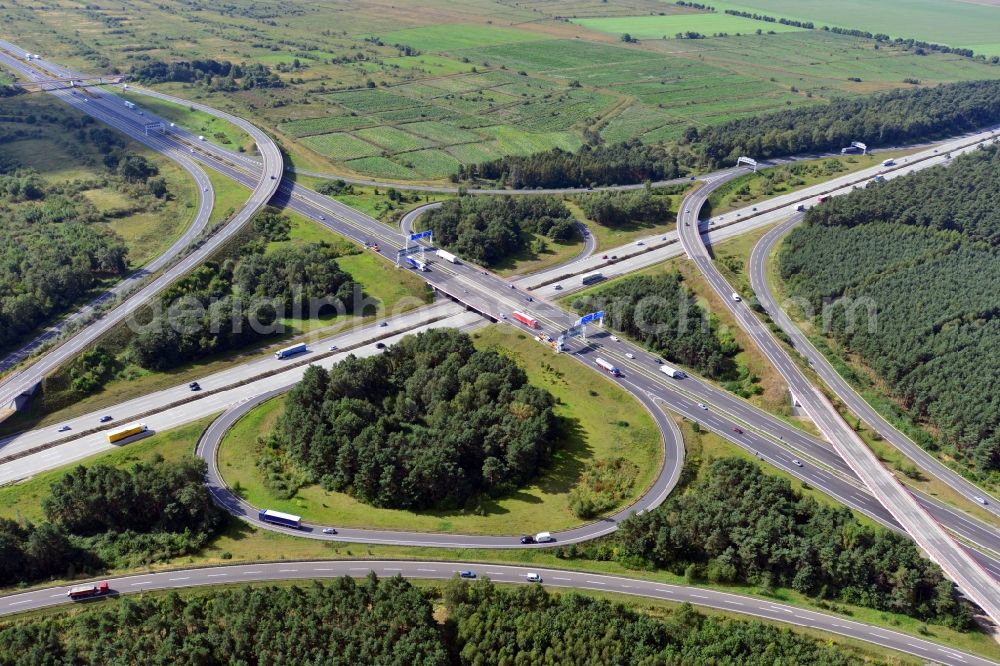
{"x": 553, "y": 578}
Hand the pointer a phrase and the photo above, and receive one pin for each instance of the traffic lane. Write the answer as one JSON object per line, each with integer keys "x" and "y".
{"x": 554, "y": 578}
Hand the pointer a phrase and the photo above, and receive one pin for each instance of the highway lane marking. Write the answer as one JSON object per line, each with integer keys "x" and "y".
{"x": 698, "y": 596}
{"x": 250, "y": 573}
{"x": 734, "y": 603}
{"x": 182, "y": 578}
{"x": 494, "y": 573}
{"x": 287, "y": 570}
{"x": 628, "y": 587}
{"x": 53, "y": 596}
{"x": 595, "y": 582}
{"x": 557, "y": 578}
{"x": 141, "y": 582}
{"x": 17, "y": 603}
{"x": 426, "y": 569}
{"x": 215, "y": 575}
{"x": 359, "y": 569}
{"x": 390, "y": 569}
{"x": 323, "y": 569}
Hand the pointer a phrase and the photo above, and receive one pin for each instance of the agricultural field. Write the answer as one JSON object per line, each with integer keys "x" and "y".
{"x": 971, "y": 25}
{"x": 414, "y": 90}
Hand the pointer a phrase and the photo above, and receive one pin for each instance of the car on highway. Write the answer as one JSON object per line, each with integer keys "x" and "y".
{"x": 527, "y": 539}
{"x": 105, "y": 419}
{"x": 796, "y": 462}
{"x": 383, "y": 324}
{"x": 503, "y": 316}
{"x": 735, "y": 297}
{"x": 333, "y": 347}
{"x": 981, "y": 500}
{"x": 272, "y": 177}
{"x": 533, "y": 578}
{"x": 530, "y": 299}
{"x": 558, "y": 287}
{"x": 702, "y": 405}
{"x": 639, "y": 243}
{"x": 738, "y": 430}
{"x": 604, "y": 256}
{"x": 687, "y": 210}
{"x": 687, "y": 224}
{"x": 465, "y": 573}
{"x": 614, "y": 256}
{"x": 64, "y": 428}
{"x": 329, "y": 530}
{"x": 379, "y": 345}
{"x": 614, "y": 338}
{"x": 800, "y": 207}
{"x": 322, "y": 217}
{"x": 194, "y": 386}
{"x": 629, "y": 355}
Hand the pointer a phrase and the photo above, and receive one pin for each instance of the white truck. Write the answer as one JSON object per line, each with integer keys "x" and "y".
{"x": 130, "y": 105}
{"x": 447, "y": 256}
{"x": 888, "y": 163}
{"x": 672, "y": 372}
{"x": 544, "y": 537}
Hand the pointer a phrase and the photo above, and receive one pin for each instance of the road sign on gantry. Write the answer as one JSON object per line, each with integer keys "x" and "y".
{"x": 747, "y": 160}
{"x": 593, "y": 316}
{"x": 421, "y": 234}
{"x": 861, "y": 146}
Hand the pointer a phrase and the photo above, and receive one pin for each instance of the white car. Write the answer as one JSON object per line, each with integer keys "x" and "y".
{"x": 640, "y": 243}
{"x": 981, "y": 500}
{"x": 614, "y": 338}
{"x": 629, "y": 355}
{"x": 735, "y": 297}
{"x": 796, "y": 462}
{"x": 329, "y": 530}
{"x": 533, "y": 578}
{"x": 333, "y": 347}
{"x": 701, "y": 405}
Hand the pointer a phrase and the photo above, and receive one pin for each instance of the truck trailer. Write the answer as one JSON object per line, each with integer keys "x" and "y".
{"x": 672, "y": 372}
{"x": 89, "y": 591}
{"x": 416, "y": 264}
{"x": 608, "y": 367}
{"x": 290, "y": 351}
{"x": 530, "y": 322}
{"x": 447, "y": 256}
{"x": 279, "y": 518}
{"x": 126, "y": 432}
{"x": 130, "y": 105}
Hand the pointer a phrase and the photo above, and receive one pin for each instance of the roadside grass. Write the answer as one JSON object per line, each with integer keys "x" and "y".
{"x": 229, "y": 197}
{"x": 774, "y": 181}
{"x": 529, "y": 261}
{"x": 243, "y": 543}
{"x": 666, "y": 27}
{"x": 603, "y": 422}
{"x": 215, "y": 130}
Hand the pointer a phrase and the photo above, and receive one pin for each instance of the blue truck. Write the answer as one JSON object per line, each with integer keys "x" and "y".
{"x": 291, "y": 351}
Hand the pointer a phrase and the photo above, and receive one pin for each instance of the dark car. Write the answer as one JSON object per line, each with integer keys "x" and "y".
{"x": 105, "y": 419}
{"x": 194, "y": 386}
{"x": 738, "y": 431}
{"x": 527, "y": 539}
{"x": 467, "y": 574}
{"x": 379, "y": 345}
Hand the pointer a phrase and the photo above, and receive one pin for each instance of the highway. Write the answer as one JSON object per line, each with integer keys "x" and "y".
{"x": 926, "y": 650}
{"x": 108, "y": 109}
{"x": 957, "y": 563}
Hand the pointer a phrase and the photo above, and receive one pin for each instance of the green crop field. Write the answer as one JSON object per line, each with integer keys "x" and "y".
{"x": 973, "y": 25}
{"x": 413, "y": 90}
{"x": 665, "y": 27}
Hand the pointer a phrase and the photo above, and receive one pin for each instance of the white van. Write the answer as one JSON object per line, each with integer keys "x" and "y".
{"x": 736, "y": 297}
{"x": 888, "y": 163}
{"x": 544, "y": 537}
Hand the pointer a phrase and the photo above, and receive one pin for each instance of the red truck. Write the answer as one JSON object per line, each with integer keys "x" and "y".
{"x": 530, "y": 322}
{"x": 88, "y": 591}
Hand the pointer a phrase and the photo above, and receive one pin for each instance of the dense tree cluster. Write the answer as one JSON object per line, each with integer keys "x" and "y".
{"x": 431, "y": 423}
{"x": 389, "y": 622}
{"x": 915, "y": 261}
{"x": 103, "y": 516}
{"x": 616, "y": 164}
{"x": 51, "y": 253}
{"x": 613, "y": 209}
{"x": 662, "y": 313}
{"x": 489, "y": 229}
{"x": 222, "y": 75}
{"x": 224, "y": 306}
{"x": 896, "y": 117}
{"x": 528, "y": 626}
{"x": 741, "y": 525}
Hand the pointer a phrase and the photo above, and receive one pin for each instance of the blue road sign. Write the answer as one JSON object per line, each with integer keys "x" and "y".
{"x": 593, "y": 316}
{"x": 422, "y": 234}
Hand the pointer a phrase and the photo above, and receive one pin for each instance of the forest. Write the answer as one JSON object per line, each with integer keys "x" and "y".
{"x": 389, "y": 622}
{"x": 591, "y": 166}
{"x": 220, "y": 75}
{"x": 223, "y": 305}
{"x": 432, "y": 422}
{"x": 661, "y": 313}
{"x": 103, "y": 517}
{"x": 903, "y": 273}
{"x": 489, "y": 229}
{"x": 613, "y": 209}
{"x": 740, "y": 525}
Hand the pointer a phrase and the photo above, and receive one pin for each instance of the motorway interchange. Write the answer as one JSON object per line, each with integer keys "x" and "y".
{"x": 975, "y": 569}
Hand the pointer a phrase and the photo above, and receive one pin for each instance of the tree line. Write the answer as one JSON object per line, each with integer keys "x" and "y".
{"x": 390, "y": 622}
{"x": 903, "y": 274}
{"x": 592, "y": 165}
{"x": 661, "y": 313}
{"x": 487, "y": 230}
{"x": 740, "y": 525}
{"x": 620, "y": 208}
{"x": 220, "y": 75}
{"x": 432, "y": 422}
{"x": 103, "y": 517}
